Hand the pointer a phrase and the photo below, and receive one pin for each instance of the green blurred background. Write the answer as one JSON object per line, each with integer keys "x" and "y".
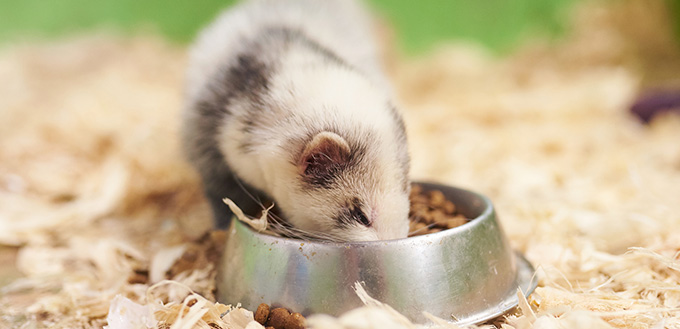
{"x": 497, "y": 24}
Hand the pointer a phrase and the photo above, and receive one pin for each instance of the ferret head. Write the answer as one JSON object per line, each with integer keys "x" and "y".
{"x": 348, "y": 189}
{"x": 327, "y": 144}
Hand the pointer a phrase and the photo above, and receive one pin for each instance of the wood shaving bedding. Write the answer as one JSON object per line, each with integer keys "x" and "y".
{"x": 101, "y": 210}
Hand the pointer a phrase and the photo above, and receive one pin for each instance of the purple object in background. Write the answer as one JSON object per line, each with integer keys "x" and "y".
{"x": 651, "y": 104}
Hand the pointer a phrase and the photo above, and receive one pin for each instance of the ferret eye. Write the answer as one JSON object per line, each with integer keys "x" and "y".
{"x": 360, "y": 217}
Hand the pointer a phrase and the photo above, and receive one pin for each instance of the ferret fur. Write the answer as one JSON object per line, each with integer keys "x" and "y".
{"x": 286, "y": 100}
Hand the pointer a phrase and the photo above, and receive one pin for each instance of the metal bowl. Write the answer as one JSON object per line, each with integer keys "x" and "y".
{"x": 466, "y": 275}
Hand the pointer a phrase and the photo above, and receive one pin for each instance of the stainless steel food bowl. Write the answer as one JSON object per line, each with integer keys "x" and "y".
{"x": 467, "y": 274}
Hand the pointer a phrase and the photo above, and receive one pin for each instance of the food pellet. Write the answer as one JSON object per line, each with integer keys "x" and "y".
{"x": 431, "y": 212}
{"x": 437, "y": 198}
{"x": 294, "y": 321}
{"x": 449, "y": 207}
{"x": 262, "y": 314}
{"x": 277, "y": 317}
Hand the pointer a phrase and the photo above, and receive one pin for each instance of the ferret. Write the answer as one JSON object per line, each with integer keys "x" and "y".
{"x": 286, "y": 100}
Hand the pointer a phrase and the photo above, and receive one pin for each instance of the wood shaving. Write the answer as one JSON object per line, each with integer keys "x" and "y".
{"x": 258, "y": 224}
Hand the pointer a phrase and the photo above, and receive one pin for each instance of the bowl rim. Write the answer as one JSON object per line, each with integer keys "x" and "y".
{"x": 487, "y": 212}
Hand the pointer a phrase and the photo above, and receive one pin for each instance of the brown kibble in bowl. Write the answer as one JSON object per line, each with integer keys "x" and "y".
{"x": 437, "y": 198}
{"x": 417, "y": 227}
{"x": 431, "y": 212}
{"x": 455, "y": 221}
{"x": 428, "y": 217}
{"x": 278, "y": 317}
{"x": 439, "y": 217}
{"x": 449, "y": 208}
{"x": 262, "y": 313}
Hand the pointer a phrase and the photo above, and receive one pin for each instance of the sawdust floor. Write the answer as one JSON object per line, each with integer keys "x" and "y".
{"x": 8, "y": 270}
{"x": 96, "y": 201}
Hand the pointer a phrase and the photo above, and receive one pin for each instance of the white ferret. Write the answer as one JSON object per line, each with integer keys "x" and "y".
{"x": 286, "y": 101}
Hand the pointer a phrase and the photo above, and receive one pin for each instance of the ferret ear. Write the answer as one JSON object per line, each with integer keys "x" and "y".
{"x": 324, "y": 155}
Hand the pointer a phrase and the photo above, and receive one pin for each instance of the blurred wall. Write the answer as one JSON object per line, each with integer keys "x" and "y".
{"x": 498, "y": 24}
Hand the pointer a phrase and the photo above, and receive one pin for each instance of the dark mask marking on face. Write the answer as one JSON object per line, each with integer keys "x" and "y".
{"x": 353, "y": 215}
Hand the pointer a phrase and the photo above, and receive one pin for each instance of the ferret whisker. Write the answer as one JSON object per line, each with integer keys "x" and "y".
{"x": 250, "y": 195}
{"x": 276, "y": 221}
{"x": 295, "y": 232}
{"x": 424, "y": 228}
